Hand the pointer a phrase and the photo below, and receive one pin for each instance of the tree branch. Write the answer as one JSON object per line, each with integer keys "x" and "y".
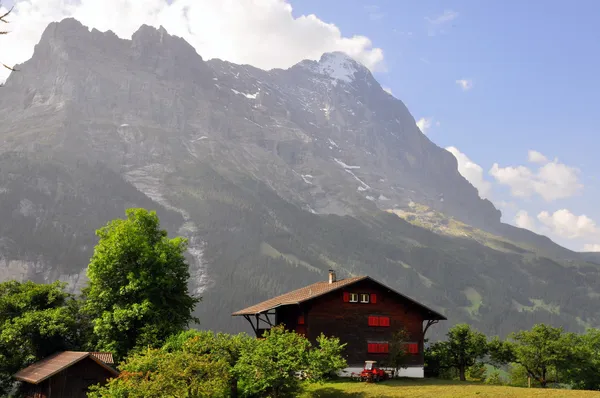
{"x": 3, "y": 32}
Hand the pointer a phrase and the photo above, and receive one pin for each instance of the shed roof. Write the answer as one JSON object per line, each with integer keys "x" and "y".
{"x": 320, "y": 288}
{"x": 48, "y": 367}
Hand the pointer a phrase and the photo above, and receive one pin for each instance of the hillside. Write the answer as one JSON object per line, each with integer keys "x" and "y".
{"x": 274, "y": 176}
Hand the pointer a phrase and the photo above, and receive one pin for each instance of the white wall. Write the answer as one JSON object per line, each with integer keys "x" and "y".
{"x": 414, "y": 372}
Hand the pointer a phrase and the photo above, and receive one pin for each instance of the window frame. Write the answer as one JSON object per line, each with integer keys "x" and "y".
{"x": 362, "y": 296}
{"x": 354, "y": 295}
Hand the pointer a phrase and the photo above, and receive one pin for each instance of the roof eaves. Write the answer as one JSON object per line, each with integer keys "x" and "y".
{"x": 356, "y": 279}
{"x": 88, "y": 354}
{"x": 439, "y": 316}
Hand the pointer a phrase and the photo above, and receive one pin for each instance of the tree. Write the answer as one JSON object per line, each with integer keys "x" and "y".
{"x": 462, "y": 350}
{"x": 398, "y": 354}
{"x": 325, "y": 359}
{"x": 584, "y": 366}
{"x": 156, "y": 373}
{"x": 225, "y": 348}
{"x": 2, "y": 32}
{"x": 36, "y": 320}
{"x": 268, "y": 367}
{"x": 542, "y": 351}
{"x": 138, "y": 285}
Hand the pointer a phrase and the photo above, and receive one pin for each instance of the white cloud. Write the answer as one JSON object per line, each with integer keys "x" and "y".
{"x": 552, "y": 181}
{"x": 591, "y": 247}
{"x": 465, "y": 84}
{"x": 524, "y": 220}
{"x": 536, "y": 157}
{"x": 472, "y": 172}
{"x": 446, "y": 16}
{"x": 263, "y": 33}
{"x": 388, "y": 90}
{"x": 567, "y": 225}
{"x": 424, "y": 124}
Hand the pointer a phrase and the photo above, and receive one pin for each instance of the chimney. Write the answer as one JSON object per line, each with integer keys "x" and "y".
{"x": 331, "y": 276}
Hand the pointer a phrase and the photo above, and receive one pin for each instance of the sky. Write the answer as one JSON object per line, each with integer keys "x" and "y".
{"x": 508, "y": 86}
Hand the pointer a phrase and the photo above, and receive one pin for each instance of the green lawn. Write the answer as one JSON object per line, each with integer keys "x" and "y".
{"x": 412, "y": 388}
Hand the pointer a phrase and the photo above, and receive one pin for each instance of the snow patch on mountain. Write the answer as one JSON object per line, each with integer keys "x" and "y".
{"x": 344, "y": 165}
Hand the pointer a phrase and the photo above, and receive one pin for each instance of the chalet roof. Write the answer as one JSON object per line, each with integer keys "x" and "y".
{"x": 106, "y": 357}
{"x": 48, "y": 367}
{"x": 320, "y": 288}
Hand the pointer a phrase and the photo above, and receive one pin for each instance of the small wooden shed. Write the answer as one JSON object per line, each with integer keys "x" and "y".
{"x": 66, "y": 374}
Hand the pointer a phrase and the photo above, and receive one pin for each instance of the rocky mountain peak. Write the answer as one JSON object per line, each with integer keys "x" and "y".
{"x": 338, "y": 66}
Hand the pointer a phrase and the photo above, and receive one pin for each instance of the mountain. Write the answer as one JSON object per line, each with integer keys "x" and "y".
{"x": 274, "y": 176}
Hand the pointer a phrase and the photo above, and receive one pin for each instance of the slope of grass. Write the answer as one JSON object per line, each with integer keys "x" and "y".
{"x": 411, "y": 388}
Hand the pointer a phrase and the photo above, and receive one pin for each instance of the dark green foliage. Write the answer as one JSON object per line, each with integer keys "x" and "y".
{"x": 493, "y": 378}
{"x": 463, "y": 349}
{"x": 269, "y": 367}
{"x": 36, "y": 320}
{"x": 155, "y": 373}
{"x": 203, "y": 364}
{"x": 584, "y": 369}
{"x": 544, "y": 352}
{"x": 477, "y": 372}
{"x": 138, "y": 292}
{"x": 397, "y": 350}
{"x": 325, "y": 359}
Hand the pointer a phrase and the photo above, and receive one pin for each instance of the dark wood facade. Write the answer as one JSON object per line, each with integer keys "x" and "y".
{"x": 71, "y": 382}
{"x": 366, "y": 327}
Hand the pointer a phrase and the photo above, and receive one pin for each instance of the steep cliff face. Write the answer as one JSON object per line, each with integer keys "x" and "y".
{"x": 274, "y": 176}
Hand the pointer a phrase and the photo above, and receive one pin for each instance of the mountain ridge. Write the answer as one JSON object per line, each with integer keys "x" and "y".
{"x": 273, "y": 176}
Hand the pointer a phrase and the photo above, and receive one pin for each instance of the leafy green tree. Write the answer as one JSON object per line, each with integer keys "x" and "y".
{"x": 584, "y": 365}
{"x": 463, "y": 349}
{"x": 325, "y": 359}
{"x": 138, "y": 284}
{"x": 493, "y": 377}
{"x": 268, "y": 367}
{"x": 542, "y": 351}
{"x": 477, "y": 372}
{"x": 156, "y": 373}
{"x": 223, "y": 347}
{"x": 36, "y": 320}
{"x": 398, "y": 354}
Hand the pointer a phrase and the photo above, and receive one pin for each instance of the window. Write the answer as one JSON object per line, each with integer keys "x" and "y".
{"x": 384, "y": 348}
{"x": 364, "y": 297}
{"x": 378, "y": 347}
{"x": 375, "y": 320}
{"x": 372, "y": 348}
{"x": 354, "y": 297}
{"x": 412, "y": 348}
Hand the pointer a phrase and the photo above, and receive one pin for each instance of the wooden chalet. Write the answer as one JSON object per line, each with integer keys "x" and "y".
{"x": 360, "y": 311}
{"x": 66, "y": 374}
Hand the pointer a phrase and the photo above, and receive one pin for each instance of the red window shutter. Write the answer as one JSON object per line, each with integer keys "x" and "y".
{"x": 346, "y": 297}
{"x": 373, "y": 298}
{"x": 301, "y": 320}
{"x": 386, "y": 347}
{"x": 413, "y": 348}
{"x": 371, "y": 348}
{"x": 384, "y": 321}
{"x": 373, "y": 321}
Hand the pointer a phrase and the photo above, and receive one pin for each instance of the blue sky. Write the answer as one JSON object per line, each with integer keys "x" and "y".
{"x": 529, "y": 69}
{"x": 535, "y": 71}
